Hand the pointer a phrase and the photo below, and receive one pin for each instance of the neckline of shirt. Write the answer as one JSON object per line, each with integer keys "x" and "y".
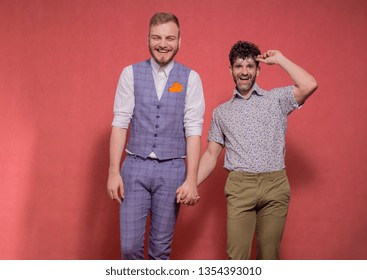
{"x": 165, "y": 69}
{"x": 255, "y": 89}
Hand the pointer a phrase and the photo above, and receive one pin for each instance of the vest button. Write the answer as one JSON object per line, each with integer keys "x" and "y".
{"x": 157, "y": 116}
{"x": 158, "y": 106}
{"x": 154, "y": 146}
{"x": 157, "y": 126}
{"x": 155, "y": 135}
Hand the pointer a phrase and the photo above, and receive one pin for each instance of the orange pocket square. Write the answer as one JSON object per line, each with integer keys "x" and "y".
{"x": 176, "y": 87}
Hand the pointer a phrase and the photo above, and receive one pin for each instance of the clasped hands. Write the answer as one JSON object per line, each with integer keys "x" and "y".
{"x": 187, "y": 194}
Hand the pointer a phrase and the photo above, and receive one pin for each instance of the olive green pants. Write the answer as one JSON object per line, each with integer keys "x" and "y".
{"x": 256, "y": 201}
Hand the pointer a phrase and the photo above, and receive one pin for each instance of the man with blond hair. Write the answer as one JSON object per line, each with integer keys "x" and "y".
{"x": 163, "y": 104}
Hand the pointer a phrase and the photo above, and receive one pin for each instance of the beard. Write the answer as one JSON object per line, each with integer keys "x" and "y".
{"x": 163, "y": 56}
{"x": 244, "y": 86}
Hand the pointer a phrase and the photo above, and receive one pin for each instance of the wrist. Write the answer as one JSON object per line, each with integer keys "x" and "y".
{"x": 114, "y": 170}
{"x": 191, "y": 182}
{"x": 283, "y": 61}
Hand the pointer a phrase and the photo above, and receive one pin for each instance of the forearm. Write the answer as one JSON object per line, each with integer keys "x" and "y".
{"x": 193, "y": 156}
{"x": 117, "y": 144}
{"x": 305, "y": 83}
{"x": 208, "y": 161}
{"x": 206, "y": 167}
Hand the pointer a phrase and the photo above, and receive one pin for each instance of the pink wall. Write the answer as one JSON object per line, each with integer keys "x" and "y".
{"x": 59, "y": 65}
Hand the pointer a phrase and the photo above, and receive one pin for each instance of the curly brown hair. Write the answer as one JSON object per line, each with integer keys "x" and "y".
{"x": 243, "y": 49}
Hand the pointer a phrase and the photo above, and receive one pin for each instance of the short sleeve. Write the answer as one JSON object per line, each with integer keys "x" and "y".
{"x": 215, "y": 131}
{"x": 286, "y": 99}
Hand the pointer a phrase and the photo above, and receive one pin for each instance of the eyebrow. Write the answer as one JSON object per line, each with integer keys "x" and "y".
{"x": 159, "y": 36}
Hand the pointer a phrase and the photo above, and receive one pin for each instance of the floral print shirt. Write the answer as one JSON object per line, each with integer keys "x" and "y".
{"x": 253, "y": 130}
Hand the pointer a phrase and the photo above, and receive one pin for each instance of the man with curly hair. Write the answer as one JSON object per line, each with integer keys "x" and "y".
{"x": 252, "y": 126}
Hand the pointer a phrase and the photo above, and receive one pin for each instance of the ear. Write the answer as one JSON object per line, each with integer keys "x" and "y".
{"x": 230, "y": 70}
{"x": 179, "y": 42}
{"x": 258, "y": 71}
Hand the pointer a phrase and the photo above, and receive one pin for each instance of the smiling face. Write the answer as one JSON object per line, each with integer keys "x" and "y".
{"x": 164, "y": 42}
{"x": 244, "y": 73}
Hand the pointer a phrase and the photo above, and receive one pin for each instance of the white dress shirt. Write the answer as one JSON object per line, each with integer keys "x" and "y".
{"x": 194, "y": 103}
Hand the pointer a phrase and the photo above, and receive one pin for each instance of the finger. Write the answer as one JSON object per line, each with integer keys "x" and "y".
{"x": 110, "y": 193}
{"x": 195, "y": 200}
{"x": 116, "y": 196}
{"x": 262, "y": 56}
{"x": 268, "y": 53}
{"x": 122, "y": 193}
{"x": 260, "y": 59}
{"x": 120, "y": 198}
{"x": 180, "y": 198}
{"x": 191, "y": 200}
{"x": 180, "y": 193}
{"x": 187, "y": 199}
{"x": 271, "y": 52}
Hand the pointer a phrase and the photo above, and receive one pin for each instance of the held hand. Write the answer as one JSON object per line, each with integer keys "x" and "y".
{"x": 187, "y": 194}
{"x": 270, "y": 57}
{"x": 115, "y": 187}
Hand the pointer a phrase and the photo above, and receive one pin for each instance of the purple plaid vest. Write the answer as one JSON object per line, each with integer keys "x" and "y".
{"x": 158, "y": 125}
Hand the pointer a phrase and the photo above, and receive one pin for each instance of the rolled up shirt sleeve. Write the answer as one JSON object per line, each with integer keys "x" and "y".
{"x": 194, "y": 106}
{"x": 124, "y": 99}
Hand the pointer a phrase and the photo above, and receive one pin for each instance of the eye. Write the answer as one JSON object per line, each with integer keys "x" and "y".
{"x": 155, "y": 38}
{"x": 171, "y": 39}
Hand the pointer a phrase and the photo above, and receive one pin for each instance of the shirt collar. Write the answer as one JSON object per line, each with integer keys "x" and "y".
{"x": 255, "y": 89}
{"x": 166, "y": 69}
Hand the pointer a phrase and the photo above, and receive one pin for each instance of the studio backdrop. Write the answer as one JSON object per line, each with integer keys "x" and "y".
{"x": 59, "y": 67}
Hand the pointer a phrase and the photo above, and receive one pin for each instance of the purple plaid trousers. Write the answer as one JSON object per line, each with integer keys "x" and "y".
{"x": 150, "y": 188}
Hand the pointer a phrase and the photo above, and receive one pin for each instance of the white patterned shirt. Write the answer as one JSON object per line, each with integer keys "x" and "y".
{"x": 253, "y": 130}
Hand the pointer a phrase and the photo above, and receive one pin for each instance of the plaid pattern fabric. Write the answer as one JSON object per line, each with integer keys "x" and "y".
{"x": 158, "y": 125}
{"x": 150, "y": 188}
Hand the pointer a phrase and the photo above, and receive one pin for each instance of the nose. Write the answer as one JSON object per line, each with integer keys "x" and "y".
{"x": 244, "y": 71}
{"x": 163, "y": 43}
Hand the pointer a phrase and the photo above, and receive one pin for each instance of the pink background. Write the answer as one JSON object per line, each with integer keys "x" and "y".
{"x": 59, "y": 66}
